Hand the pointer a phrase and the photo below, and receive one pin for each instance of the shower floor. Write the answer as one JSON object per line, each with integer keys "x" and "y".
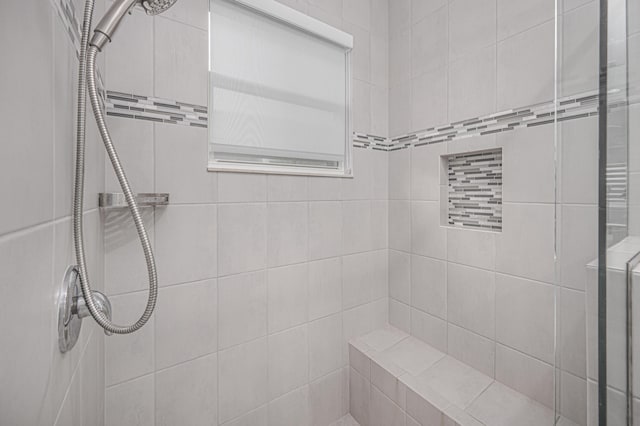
{"x": 396, "y": 378}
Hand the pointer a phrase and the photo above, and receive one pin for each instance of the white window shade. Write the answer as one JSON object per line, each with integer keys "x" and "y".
{"x": 279, "y": 90}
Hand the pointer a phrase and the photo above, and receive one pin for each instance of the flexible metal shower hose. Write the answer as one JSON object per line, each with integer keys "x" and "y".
{"x": 87, "y": 73}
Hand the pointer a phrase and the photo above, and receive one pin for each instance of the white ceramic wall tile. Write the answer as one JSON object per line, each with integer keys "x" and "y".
{"x": 180, "y": 50}
{"x": 429, "y": 329}
{"x": 359, "y": 396}
{"x": 399, "y": 116}
{"x": 467, "y": 98}
{"x": 29, "y": 298}
{"x": 428, "y": 238}
{"x": 28, "y": 151}
{"x": 288, "y": 360}
{"x": 573, "y": 333}
{"x": 380, "y": 18}
{"x": 287, "y": 239}
{"x": 525, "y": 316}
{"x": 65, "y": 75}
{"x": 427, "y": 171}
{"x": 384, "y": 412}
{"x": 472, "y": 349}
{"x": 528, "y": 56}
{"x": 429, "y": 99}
{"x": 191, "y": 12}
{"x": 573, "y": 398}
{"x": 186, "y": 243}
{"x": 291, "y": 409}
{"x": 357, "y": 275}
{"x": 400, "y": 315}
{"x": 325, "y": 352}
{"x": 399, "y": 15}
{"x": 325, "y": 288}
{"x": 380, "y": 271}
{"x": 357, "y": 12}
{"x": 528, "y": 167}
{"x": 181, "y": 164}
{"x": 361, "y": 185}
{"x": 355, "y": 322}
{"x": 131, "y": 355}
{"x": 324, "y": 188}
{"x": 356, "y": 226}
{"x": 579, "y": 161}
{"x": 517, "y": 16}
{"x": 380, "y": 224}
{"x": 422, "y": 8}
{"x": 129, "y": 64}
{"x": 579, "y": 50}
{"x": 287, "y": 299}
{"x": 472, "y": 26}
{"x": 429, "y": 42}
{"x": 196, "y": 407}
{"x": 242, "y": 311}
{"x": 400, "y": 57}
{"x": 361, "y": 108}
{"x": 400, "y": 225}
{"x": 471, "y": 247}
{"x": 471, "y": 299}
{"x": 527, "y": 375}
{"x": 380, "y": 61}
{"x": 125, "y": 266}
{"x": 325, "y": 229}
{"x": 327, "y": 11}
{"x": 242, "y": 238}
{"x": 257, "y": 417}
{"x": 286, "y": 188}
{"x": 134, "y": 141}
{"x": 325, "y": 399}
{"x": 241, "y": 187}
{"x": 400, "y": 276}
{"x": 429, "y": 285}
{"x": 361, "y": 53}
{"x": 130, "y": 403}
{"x": 535, "y": 259}
{"x": 579, "y": 243}
{"x": 380, "y": 111}
{"x": 186, "y": 322}
{"x": 242, "y": 379}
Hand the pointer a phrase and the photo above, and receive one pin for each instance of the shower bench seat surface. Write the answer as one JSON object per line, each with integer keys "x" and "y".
{"x": 396, "y": 379}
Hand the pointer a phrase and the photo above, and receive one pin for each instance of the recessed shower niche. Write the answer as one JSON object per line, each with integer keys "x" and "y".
{"x": 472, "y": 183}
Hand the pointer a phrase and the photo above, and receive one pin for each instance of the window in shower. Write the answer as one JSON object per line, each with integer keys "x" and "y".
{"x": 474, "y": 190}
{"x": 279, "y": 97}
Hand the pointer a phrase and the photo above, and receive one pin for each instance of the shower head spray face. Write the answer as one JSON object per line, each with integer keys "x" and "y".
{"x": 107, "y": 26}
{"x": 155, "y": 7}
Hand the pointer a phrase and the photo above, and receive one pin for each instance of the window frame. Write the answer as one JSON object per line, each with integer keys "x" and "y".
{"x": 302, "y": 22}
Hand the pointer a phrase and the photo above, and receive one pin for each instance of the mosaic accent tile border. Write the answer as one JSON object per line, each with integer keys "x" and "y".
{"x": 584, "y": 105}
{"x": 160, "y": 110}
{"x": 142, "y": 107}
{"x": 474, "y": 182}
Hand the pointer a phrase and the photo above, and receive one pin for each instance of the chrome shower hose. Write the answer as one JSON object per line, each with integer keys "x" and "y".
{"x": 87, "y": 80}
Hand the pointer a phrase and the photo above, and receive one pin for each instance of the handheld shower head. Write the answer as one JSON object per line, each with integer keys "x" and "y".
{"x": 107, "y": 26}
{"x": 155, "y": 7}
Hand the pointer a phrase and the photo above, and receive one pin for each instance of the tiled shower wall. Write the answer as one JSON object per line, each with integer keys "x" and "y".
{"x": 488, "y": 298}
{"x": 41, "y": 386}
{"x": 263, "y": 279}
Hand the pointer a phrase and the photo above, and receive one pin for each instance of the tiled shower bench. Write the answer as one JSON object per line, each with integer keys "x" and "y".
{"x": 398, "y": 380}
